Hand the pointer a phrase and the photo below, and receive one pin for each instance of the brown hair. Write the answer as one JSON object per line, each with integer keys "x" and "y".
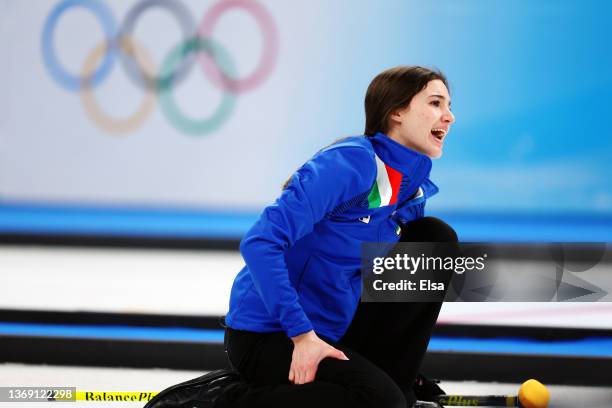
{"x": 393, "y": 89}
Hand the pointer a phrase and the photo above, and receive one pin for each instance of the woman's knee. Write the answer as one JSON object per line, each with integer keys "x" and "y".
{"x": 428, "y": 229}
{"x": 390, "y": 396}
{"x": 368, "y": 385}
{"x": 380, "y": 390}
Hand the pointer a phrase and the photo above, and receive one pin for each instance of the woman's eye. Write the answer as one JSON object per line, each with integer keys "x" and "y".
{"x": 435, "y": 103}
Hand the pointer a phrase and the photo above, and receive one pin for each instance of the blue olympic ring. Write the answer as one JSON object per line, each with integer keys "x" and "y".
{"x": 56, "y": 70}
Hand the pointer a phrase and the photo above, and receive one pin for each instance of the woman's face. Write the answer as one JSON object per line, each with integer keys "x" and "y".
{"x": 424, "y": 124}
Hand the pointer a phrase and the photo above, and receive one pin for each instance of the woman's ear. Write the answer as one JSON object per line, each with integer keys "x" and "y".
{"x": 396, "y": 116}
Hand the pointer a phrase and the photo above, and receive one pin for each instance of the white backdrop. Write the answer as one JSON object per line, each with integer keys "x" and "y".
{"x": 527, "y": 81}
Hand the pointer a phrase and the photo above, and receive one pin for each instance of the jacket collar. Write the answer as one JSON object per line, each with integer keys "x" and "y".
{"x": 400, "y": 157}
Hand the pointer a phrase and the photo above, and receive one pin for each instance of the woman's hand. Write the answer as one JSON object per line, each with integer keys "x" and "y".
{"x": 308, "y": 351}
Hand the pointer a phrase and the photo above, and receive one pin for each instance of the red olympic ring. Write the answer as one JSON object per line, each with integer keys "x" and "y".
{"x": 268, "y": 56}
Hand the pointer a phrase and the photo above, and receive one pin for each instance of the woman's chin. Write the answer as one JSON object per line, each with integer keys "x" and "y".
{"x": 434, "y": 153}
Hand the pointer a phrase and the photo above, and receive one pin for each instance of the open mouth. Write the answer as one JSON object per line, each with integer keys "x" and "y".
{"x": 438, "y": 134}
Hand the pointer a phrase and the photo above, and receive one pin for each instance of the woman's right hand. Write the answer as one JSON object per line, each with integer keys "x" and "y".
{"x": 308, "y": 351}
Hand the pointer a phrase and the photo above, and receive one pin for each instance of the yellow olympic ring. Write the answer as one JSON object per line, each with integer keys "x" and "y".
{"x": 101, "y": 119}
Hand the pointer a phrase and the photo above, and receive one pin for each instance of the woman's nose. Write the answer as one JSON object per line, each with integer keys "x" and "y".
{"x": 449, "y": 117}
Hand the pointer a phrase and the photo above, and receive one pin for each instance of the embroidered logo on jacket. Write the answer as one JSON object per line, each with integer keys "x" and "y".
{"x": 365, "y": 220}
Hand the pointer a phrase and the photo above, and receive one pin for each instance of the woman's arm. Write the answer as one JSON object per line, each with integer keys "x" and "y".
{"x": 331, "y": 177}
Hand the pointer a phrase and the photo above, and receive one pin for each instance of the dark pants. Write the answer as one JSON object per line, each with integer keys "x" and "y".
{"x": 385, "y": 344}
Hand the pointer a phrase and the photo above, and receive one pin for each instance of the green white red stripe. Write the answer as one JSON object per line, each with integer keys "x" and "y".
{"x": 386, "y": 187}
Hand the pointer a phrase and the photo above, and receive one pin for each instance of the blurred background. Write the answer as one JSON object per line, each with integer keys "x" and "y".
{"x": 139, "y": 140}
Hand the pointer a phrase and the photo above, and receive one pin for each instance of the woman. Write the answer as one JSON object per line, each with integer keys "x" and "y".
{"x": 296, "y": 332}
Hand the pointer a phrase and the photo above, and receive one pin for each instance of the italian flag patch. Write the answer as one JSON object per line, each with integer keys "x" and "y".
{"x": 386, "y": 187}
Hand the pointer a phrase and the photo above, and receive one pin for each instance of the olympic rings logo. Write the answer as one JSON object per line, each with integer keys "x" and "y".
{"x": 197, "y": 46}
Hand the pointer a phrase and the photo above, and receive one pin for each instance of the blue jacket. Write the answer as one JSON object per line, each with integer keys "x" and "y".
{"x": 303, "y": 254}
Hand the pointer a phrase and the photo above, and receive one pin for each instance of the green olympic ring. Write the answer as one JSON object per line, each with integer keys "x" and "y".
{"x": 171, "y": 111}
